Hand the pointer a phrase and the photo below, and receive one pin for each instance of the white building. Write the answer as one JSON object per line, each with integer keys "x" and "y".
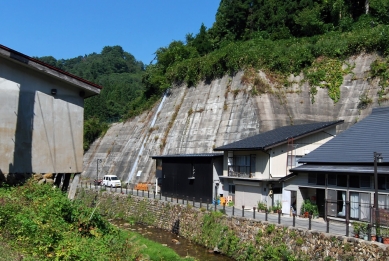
{"x": 253, "y": 166}
{"x": 41, "y": 117}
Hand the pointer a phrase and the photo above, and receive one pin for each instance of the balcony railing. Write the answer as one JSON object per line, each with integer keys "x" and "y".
{"x": 239, "y": 171}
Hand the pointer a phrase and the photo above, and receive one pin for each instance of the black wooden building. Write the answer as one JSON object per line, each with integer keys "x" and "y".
{"x": 190, "y": 175}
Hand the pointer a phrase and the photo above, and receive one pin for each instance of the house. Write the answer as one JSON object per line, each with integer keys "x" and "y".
{"x": 41, "y": 117}
{"x": 339, "y": 175}
{"x": 190, "y": 175}
{"x": 253, "y": 166}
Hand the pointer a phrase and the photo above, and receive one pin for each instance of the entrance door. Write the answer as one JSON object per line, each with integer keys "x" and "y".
{"x": 320, "y": 201}
{"x": 286, "y": 204}
{"x": 354, "y": 205}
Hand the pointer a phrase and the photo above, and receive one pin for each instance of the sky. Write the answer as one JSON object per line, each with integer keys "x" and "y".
{"x": 68, "y": 28}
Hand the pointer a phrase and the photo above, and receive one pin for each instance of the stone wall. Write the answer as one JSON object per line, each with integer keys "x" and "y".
{"x": 248, "y": 233}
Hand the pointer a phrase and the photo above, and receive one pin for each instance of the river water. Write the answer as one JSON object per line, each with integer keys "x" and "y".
{"x": 180, "y": 245}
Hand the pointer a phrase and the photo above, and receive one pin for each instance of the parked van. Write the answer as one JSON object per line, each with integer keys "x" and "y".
{"x": 111, "y": 181}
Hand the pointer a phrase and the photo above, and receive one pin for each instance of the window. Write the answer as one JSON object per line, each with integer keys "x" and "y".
{"x": 381, "y": 182}
{"x": 341, "y": 180}
{"x": 231, "y": 189}
{"x": 365, "y": 181}
{"x": 293, "y": 160}
{"x": 311, "y": 178}
{"x": 354, "y": 181}
{"x": 321, "y": 179}
{"x": 242, "y": 164}
{"x": 382, "y": 201}
{"x": 341, "y": 202}
{"x": 332, "y": 179}
{"x": 317, "y": 179}
{"x": 360, "y": 206}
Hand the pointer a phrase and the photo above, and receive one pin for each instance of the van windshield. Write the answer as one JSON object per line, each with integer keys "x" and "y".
{"x": 114, "y": 178}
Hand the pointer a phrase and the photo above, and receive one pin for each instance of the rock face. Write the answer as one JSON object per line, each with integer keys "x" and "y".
{"x": 198, "y": 119}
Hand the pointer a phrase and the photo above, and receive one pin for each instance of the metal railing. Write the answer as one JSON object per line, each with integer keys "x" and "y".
{"x": 332, "y": 225}
{"x": 239, "y": 171}
{"x": 355, "y": 210}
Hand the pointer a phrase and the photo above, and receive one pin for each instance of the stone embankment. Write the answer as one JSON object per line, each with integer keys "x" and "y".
{"x": 44, "y": 178}
{"x": 237, "y": 232}
{"x": 198, "y": 119}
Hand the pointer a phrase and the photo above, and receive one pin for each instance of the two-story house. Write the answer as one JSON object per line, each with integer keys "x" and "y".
{"x": 253, "y": 166}
{"x": 340, "y": 175}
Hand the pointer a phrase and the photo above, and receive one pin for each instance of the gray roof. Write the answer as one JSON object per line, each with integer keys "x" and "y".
{"x": 277, "y": 136}
{"x": 340, "y": 169}
{"x": 199, "y": 155}
{"x": 357, "y": 144}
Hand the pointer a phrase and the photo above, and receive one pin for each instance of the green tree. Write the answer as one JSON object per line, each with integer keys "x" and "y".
{"x": 309, "y": 20}
{"x": 380, "y": 10}
{"x": 202, "y": 41}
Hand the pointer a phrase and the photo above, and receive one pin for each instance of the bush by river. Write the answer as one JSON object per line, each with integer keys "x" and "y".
{"x": 38, "y": 222}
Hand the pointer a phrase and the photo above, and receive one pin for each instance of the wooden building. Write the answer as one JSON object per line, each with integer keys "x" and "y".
{"x": 190, "y": 175}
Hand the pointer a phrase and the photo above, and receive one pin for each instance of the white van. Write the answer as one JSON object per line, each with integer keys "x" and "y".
{"x": 111, "y": 181}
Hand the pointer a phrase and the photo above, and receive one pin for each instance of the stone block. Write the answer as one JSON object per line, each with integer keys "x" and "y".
{"x": 48, "y": 175}
{"x": 38, "y": 176}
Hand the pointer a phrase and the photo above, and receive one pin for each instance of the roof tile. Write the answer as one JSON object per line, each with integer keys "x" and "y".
{"x": 277, "y": 136}
{"x": 358, "y": 143}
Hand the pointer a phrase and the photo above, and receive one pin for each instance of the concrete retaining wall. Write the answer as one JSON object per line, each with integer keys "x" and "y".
{"x": 197, "y": 119}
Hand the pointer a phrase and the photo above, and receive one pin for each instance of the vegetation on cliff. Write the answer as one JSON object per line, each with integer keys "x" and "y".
{"x": 280, "y": 37}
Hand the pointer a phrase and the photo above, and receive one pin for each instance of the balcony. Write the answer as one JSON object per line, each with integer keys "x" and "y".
{"x": 239, "y": 172}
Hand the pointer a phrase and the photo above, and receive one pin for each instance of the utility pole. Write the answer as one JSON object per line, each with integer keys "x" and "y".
{"x": 377, "y": 158}
{"x": 98, "y": 160}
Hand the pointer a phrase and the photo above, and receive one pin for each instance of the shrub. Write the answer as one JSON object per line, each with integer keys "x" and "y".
{"x": 262, "y": 206}
{"x": 270, "y": 228}
{"x": 309, "y": 207}
{"x": 41, "y": 222}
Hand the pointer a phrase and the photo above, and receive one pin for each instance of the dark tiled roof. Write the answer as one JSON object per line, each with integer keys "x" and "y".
{"x": 340, "y": 169}
{"x": 200, "y": 155}
{"x": 358, "y": 143}
{"x": 278, "y": 136}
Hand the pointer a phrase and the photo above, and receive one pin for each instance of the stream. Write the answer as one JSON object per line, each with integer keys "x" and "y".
{"x": 180, "y": 245}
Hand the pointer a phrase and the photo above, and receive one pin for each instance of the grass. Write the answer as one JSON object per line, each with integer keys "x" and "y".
{"x": 40, "y": 223}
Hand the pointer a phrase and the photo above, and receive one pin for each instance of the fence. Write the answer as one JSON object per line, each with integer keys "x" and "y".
{"x": 356, "y": 210}
{"x": 331, "y": 224}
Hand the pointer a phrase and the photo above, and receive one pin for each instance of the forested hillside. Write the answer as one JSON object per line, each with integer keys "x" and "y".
{"x": 120, "y": 74}
{"x": 279, "y": 37}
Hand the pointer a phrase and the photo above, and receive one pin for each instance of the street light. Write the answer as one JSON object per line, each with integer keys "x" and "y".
{"x": 98, "y": 160}
{"x": 377, "y": 159}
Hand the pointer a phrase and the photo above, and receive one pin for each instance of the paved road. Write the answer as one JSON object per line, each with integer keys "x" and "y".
{"x": 335, "y": 227}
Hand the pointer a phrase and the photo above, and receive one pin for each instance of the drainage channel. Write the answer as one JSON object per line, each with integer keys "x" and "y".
{"x": 180, "y": 245}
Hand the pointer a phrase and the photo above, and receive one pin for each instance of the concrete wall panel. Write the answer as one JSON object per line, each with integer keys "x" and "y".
{"x": 8, "y": 110}
{"x": 40, "y": 132}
